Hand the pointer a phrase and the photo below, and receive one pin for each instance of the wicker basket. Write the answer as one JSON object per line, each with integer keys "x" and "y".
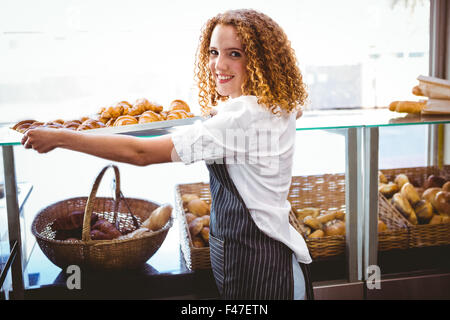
{"x": 320, "y": 191}
{"x": 328, "y": 192}
{"x": 422, "y": 235}
{"x": 100, "y": 254}
{"x": 196, "y": 258}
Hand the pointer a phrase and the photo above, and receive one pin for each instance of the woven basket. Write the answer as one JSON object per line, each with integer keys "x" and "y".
{"x": 328, "y": 192}
{"x": 421, "y": 235}
{"x": 100, "y": 254}
{"x": 196, "y": 258}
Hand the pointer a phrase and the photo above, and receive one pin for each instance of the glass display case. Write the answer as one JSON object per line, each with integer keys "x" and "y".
{"x": 338, "y": 156}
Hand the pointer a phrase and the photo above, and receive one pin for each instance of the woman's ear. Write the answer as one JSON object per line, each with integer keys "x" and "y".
{"x": 299, "y": 113}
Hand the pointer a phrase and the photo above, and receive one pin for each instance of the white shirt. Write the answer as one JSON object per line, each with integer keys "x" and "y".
{"x": 258, "y": 148}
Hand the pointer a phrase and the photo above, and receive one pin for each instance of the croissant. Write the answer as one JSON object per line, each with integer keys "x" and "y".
{"x": 139, "y": 107}
{"x": 149, "y": 116}
{"x": 113, "y": 112}
{"x": 125, "y": 120}
{"x": 25, "y": 127}
{"x": 23, "y": 122}
{"x": 179, "y": 105}
{"x": 90, "y": 124}
{"x": 155, "y": 107}
{"x": 163, "y": 114}
{"x": 72, "y": 125}
{"x": 177, "y": 114}
{"x": 60, "y": 121}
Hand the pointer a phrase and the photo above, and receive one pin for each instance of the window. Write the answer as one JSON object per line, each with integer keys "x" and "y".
{"x": 69, "y": 58}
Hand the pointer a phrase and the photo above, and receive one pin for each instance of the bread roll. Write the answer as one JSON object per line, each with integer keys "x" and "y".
{"x": 316, "y": 234}
{"x": 434, "y": 182}
{"x": 402, "y": 205}
{"x": 414, "y": 107}
{"x": 189, "y": 217}
{"x": 324, "y": 218}
{"x": 436, "y": 219}
{"x": 424, "y": 211}
{"x": 205, "y": 234}
{"x": 401, "y": 179}
{"x": 382, "y": 178}
{"x": 446, "y": 186}
{"x": 442, "y": 202}
{"x": 188, "y": 197}
{"x": 382, "y": 227}
{"x": 334, "y": 228}
{"x": 388, "y": 190}
{"x": 409, "y": 192}
{"x": 158, "y": 218}
{"x": 206, "y": 220}
{"x": 198, "y": 242}
{"x": 312, "y": 222}
{"x": 195, "y": 226}
{"x": 304, "y": 212}
{"x": 430, "y": 194}
{"x": 198, "y": 207}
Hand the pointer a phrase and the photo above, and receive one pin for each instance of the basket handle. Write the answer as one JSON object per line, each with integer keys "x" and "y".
{"x": 86, "y": 234}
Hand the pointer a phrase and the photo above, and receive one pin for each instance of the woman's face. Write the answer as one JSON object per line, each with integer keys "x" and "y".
{"x": 227, "y": 61}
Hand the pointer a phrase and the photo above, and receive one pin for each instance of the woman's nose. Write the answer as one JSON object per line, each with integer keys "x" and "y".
{"x": 221, "y": 64}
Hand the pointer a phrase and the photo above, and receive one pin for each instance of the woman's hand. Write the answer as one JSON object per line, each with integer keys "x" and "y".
{"x": 42, "y": 140}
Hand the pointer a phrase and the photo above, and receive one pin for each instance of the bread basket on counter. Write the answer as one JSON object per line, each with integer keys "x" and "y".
{"x": 327, "y": 192}
{"x": 420, "y": 235}
{"x": 195, "y": 258}
{"x": 322, "y": 191}
{"x": 129, "y": 213}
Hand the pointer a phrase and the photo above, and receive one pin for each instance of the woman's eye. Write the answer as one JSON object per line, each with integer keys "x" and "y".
{"x": 235, "y": 54}
{"x": 213, "y": 52}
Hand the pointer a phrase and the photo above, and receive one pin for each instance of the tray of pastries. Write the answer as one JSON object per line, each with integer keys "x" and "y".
{"x": 140, "y": 118}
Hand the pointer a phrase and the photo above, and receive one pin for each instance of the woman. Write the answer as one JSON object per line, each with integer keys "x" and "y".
{"x": 247, "y": 70}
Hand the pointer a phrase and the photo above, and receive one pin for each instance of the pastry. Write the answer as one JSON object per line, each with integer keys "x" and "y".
{"x": 334, "y": 228}
{"x": 20, "y": 123}
{"x": 139, "y": 107}
{"x": 388, "y": 190}
{"x": 401, "y": 179}
{"x": 125, "y": 120}
{"x": 312, "y": 222}
{"x": 90, "y": 124}
{"x": 205, "y": 234}
{"x": 113, "y": 111}
{"x": 409, "y": 192}
{"x": 24, "y": 128}
{"x": 434, "y": 182}
{"x": 195, "y": 226}
{"x": 402, "y": 205}
{"x": 442, "y": 202}
{"x": 198, "y": 207}
{"x": 149, "y": 116}
{"x": 407, "y": 106}
{"x": 316, "y": 234}
{"x": 177, "y": 114}
{"x": 424, "y": 211}
{"x": 179, "y": 105}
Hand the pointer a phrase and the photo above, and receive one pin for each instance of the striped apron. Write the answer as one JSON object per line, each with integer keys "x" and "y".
{"x": 246, "y": 263}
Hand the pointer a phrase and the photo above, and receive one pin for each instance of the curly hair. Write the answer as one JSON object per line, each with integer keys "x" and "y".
{"x": 273, "y": 75}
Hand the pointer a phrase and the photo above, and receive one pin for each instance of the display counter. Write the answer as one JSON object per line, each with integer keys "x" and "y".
{"x": 343, "y": 276}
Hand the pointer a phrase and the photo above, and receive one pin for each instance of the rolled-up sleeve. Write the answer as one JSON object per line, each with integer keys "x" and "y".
{"x": 206, "y": 140}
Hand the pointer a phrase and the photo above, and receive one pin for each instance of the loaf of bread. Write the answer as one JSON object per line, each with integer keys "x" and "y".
{"x": 414, "y": 107}
{"x": 158, "y": 218}
{"x": 198, "y": 207}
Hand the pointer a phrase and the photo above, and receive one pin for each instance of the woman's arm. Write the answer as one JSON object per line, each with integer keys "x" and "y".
{"x": 128, "y": 149}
